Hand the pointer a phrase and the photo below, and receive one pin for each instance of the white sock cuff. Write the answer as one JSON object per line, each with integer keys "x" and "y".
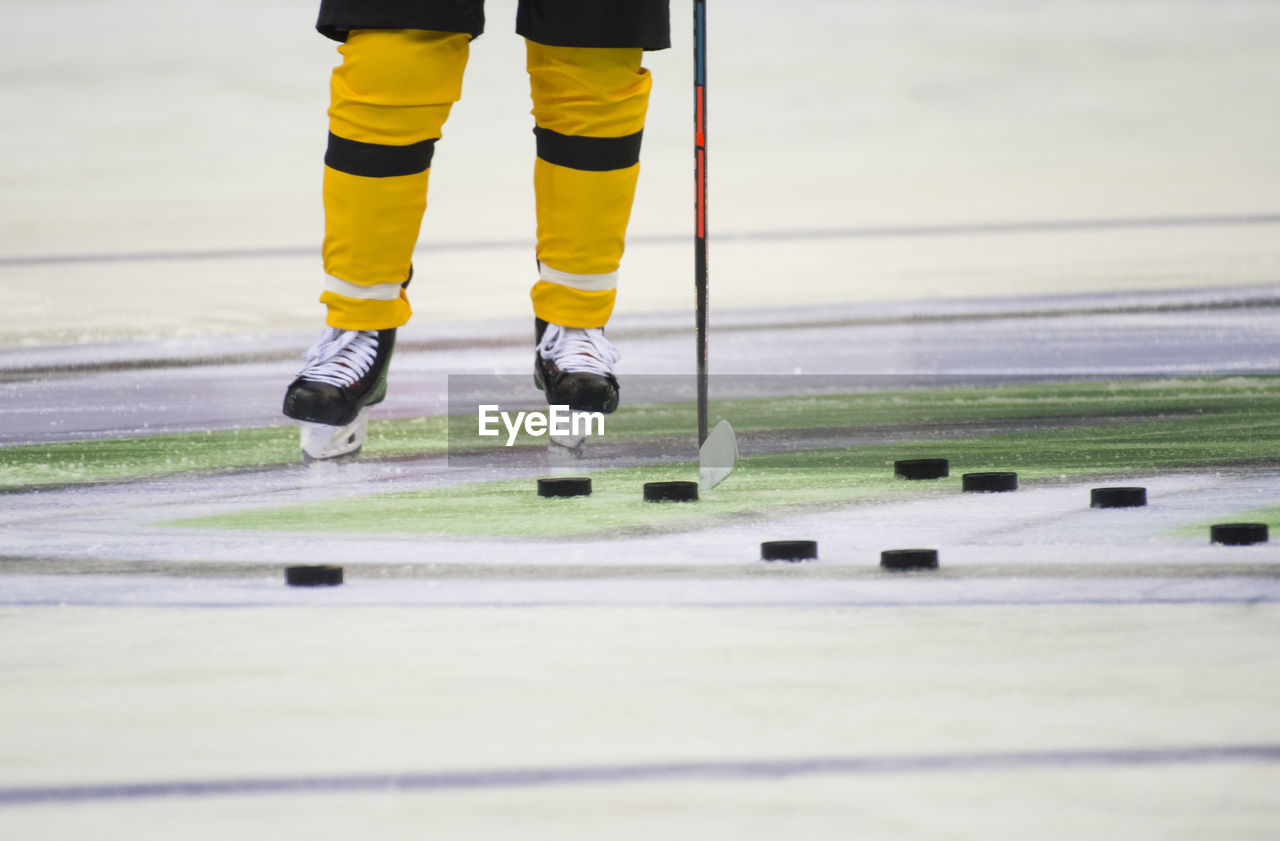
{"x": 373, "y": 292}
{"x": 584, "y": 282}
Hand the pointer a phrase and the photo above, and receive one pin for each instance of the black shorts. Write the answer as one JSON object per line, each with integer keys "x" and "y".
{"x": 557, "y": 23}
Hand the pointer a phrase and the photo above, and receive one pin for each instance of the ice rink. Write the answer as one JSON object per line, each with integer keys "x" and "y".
{"x": 955, "y": 191}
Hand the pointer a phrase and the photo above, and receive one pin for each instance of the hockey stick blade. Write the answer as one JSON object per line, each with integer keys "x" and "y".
{"x": 717, "y": 456}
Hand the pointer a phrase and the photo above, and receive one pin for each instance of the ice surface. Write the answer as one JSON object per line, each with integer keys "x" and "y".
{"x": 933, "y": 186}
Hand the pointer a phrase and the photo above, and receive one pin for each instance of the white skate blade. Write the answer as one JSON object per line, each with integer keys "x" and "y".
{"x": 565, "y": 448}
{"x": 717, "y": 456}
{"x": 320, "y": 441}
{"x": 568, "y": 442}
{"x": 573, "y": 441}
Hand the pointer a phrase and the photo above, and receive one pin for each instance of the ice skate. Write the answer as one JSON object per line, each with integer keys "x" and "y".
{"x": 574, "y": 366}
{"x": 343, "y": 374}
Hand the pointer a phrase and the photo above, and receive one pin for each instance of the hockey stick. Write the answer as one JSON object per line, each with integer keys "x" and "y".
{"x": 717, "y": 451}
{"x": 700, "y": 202}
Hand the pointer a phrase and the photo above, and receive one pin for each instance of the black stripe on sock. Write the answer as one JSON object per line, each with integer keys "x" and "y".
{"x": 374, "y": 160}
{"x": 593, "y": 154}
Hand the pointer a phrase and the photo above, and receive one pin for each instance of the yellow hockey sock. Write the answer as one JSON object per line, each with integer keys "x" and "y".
{"x": 589, "y": 106}
{"x": 390, "y": 99}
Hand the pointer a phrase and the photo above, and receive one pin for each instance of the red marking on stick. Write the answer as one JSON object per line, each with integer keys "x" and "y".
{"x": 700, "y": 137}
{"x": 702, "y": 181}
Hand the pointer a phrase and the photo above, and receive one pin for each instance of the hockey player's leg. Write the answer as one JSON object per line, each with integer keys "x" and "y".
{"x": 390, "y": 99}
{"x": 589, "y": 107}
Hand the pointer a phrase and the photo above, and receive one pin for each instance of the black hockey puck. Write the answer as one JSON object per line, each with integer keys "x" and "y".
{"x": 1117, "y": 497}
{"x": 670, "y": 491}
{"x": 989, "y": 482}
{"x": 564, "y": 486}
{"x": 922, "y": 468}
{"x": 322, "y": 575}
{"x": 905, "y": 560}
{"x": 1238, "y": 534}
{"x": 789, "y": 550}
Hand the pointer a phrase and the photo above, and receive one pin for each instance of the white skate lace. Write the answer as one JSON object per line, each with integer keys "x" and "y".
{"x": 579, "y": 350}
{"x": 340, "y": 357}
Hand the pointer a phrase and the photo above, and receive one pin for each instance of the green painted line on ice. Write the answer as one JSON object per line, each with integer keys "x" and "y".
{"x": 1230, "y": 419}
{"x": 149, "y": 456}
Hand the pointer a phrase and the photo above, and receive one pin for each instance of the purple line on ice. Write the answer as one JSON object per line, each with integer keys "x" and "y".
{"x": 962, "y": 229}
{"x": 602, "y": 774}
{"x": 558, "y": 593}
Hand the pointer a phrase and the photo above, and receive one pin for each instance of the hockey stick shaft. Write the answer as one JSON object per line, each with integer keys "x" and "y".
{"x": 700, "y": 202}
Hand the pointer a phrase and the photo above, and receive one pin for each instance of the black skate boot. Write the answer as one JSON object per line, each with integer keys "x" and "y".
{"x": 574, "y": 366}
{"x": 345, "y": 372}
